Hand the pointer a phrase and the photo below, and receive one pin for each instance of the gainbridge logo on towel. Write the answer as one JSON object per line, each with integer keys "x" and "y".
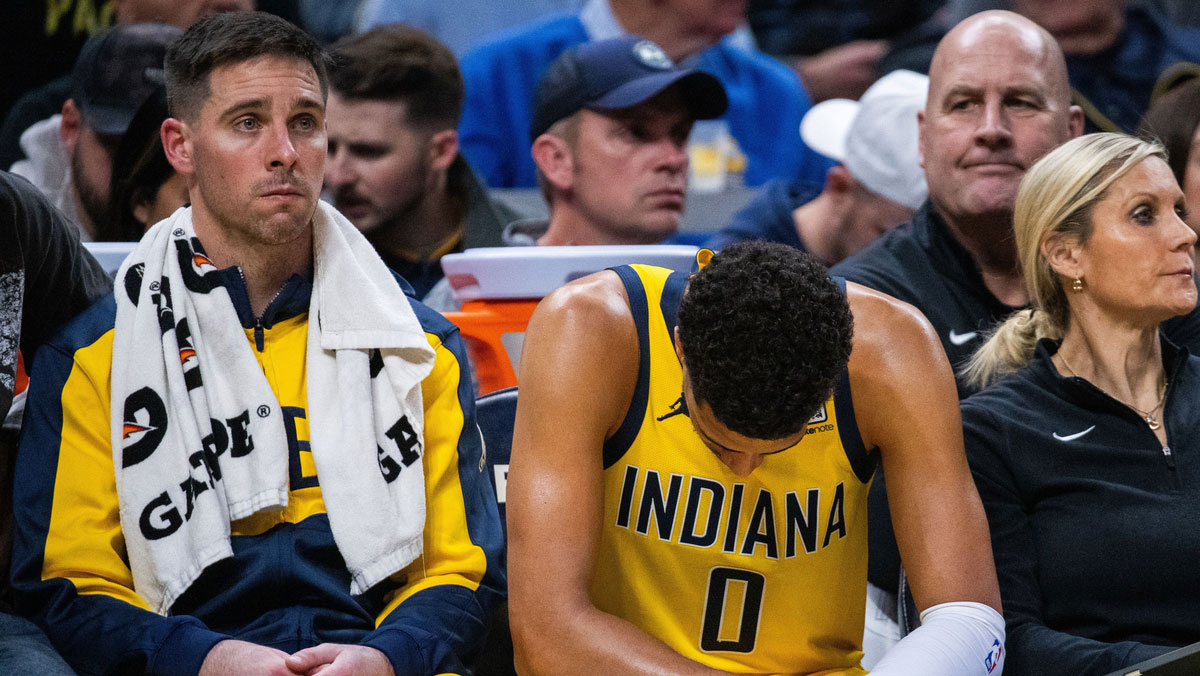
{"x": 187, "y": 356}
{"x": 145, "y": 426}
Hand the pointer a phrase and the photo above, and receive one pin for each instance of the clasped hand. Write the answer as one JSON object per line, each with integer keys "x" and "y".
{"x": 328, "y": 659}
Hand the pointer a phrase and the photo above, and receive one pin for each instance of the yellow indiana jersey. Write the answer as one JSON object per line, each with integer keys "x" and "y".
{"x": 759, "y": 574}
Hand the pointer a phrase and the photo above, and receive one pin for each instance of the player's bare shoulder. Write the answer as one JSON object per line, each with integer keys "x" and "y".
{"x": 595, "y": 303}
{"x": 898, "y": 369}
{"x": 889, "y": 334}
{"x": 600, "y": 295}
{"x": 583, "y": 319}
{"x": 582, "y": 341}
{"x": 887, "y": 327}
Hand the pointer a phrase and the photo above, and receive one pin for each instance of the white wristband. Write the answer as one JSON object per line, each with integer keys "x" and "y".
{"x": 961, "y": 638}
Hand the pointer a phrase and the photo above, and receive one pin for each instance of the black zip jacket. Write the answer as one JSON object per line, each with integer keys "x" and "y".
{"x": 1093, "y": 520}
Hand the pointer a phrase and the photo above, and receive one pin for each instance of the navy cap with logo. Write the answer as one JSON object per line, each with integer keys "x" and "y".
{"x": 117, "y": 71}
{"x": 618, "y": 73}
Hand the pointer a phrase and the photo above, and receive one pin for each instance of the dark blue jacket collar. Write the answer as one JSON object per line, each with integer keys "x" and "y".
{"x": 291, "y": 300}
{"x": 952, "y": 259}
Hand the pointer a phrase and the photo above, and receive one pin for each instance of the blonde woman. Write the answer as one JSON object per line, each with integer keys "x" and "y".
{"x": 1087, "y": 452}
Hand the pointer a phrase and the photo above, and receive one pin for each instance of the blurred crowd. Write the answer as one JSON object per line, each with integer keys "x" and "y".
{"x": 896, "y": 143}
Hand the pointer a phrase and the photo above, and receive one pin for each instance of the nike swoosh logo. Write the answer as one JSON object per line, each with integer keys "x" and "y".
{"x": 961, "y": 338}
{"x": 1073, "y": 437}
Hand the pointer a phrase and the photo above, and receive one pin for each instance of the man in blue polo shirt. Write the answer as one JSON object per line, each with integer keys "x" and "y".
{"x": 766, "y": 100}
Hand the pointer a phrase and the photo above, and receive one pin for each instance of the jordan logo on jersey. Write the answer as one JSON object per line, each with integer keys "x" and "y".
{"x": 712, "y": 515}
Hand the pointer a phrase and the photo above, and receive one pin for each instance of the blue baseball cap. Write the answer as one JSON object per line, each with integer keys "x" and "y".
{"x": 619, "y": 73}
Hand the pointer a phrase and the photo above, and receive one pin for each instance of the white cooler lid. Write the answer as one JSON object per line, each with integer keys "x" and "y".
{"x": 110, "y": 254}
{"x": 534, "y": 271}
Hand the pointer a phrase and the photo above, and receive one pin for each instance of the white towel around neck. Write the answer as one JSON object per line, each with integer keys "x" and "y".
{"x": 199, "y": 438}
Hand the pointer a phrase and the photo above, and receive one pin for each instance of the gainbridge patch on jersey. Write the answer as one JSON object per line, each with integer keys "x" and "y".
{"x": 713, "y": 516}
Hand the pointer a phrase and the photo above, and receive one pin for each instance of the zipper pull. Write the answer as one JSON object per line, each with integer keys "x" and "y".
{"x": 1169, "y": 456}
{"x": 260, "y": 337}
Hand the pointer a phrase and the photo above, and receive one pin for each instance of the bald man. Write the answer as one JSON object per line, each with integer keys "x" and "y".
{"x": 998, "y": 101}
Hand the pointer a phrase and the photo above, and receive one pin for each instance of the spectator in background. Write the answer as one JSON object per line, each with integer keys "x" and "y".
{"x": 610, "y": 125}
{"x": 877, "y": 185}
{"x": 998, "y": 100}
{"x": 394, "y": 168}
{"x": 47, "y": 100}
{"x": 1120, "y": 54}
{"x": 461, "y": 25}
{"x": 766, "y": 100}
{"x": 835, "y": 45}
{"x": 1116, "y": 54}
{"x": 145, "y": 187}
{"x": 70, "y": 156}
{"x": 1085, "y": 457}
{"x": 46, "y": 277}
{"x": 1174, "y": 120}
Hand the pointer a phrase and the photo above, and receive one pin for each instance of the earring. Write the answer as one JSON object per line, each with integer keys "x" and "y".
{"x": 1077, "y": 285}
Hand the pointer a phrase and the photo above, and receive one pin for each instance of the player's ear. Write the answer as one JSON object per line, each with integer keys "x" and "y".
{"x": 678, "y": 345}
{"x": 177, "y": 144}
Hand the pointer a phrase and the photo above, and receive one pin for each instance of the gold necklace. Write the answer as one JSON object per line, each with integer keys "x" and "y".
{"x": 1147, "y": 416}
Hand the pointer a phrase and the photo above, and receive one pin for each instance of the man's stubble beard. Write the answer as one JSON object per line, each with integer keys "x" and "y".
{"x": 400, "y": 218}
{"x": 92, "y": 199}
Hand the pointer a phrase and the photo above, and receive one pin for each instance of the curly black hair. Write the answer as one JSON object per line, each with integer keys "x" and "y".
{"x": 764, "y": 331}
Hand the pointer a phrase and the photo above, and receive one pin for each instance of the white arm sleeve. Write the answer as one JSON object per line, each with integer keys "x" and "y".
{"x": 955, "y": 639}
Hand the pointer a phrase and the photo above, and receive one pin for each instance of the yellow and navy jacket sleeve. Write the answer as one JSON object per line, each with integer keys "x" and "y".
{"x": 69, "y": 571}
{"x": 439, "y": 611}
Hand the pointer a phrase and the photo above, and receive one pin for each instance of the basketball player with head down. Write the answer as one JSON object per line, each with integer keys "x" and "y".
{"x": 690, "y": 467}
